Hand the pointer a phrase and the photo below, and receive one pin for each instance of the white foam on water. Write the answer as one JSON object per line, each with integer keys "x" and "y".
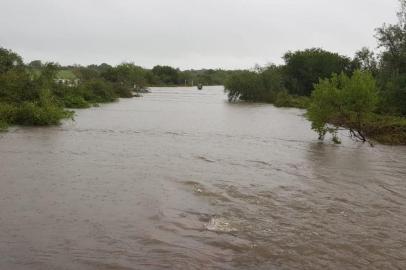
{"x": 219, "y": 225}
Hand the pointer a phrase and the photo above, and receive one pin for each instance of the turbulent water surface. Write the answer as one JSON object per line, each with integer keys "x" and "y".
{"x": 181, "y": 179}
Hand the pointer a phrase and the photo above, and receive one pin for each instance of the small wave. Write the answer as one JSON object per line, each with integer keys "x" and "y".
{"x": 175, "y": 133}
{"x": 206, "y": 159}
{"x": 218, "y": 224}
{"x": 260, "y": 162}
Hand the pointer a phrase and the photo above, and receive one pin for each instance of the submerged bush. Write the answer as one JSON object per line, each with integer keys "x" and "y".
{"x": 123, "y": 91}
{"x": 387, "y": 129}
{"x": 245, "y": 85}
{"x": 46, "y": 111}
{"x": 75, "y": 102}
{"x": 3, "y": 126}
{"x": 7, "y": 113}
{"x": 344, "y": 101}
{"x": 98, "y": 91}
{"x": 283, "y": 99}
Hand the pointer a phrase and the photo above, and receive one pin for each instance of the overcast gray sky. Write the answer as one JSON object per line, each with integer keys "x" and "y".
{"x": 187, "y": 33}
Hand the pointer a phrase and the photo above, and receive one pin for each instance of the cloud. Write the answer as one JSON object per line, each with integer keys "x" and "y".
{"x": 187, "y": 33}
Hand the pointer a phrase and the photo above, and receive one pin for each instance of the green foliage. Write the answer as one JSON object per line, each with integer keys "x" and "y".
{"x": 283, "y": 99}
{"x": 273, "y": 80}
{"x": 245, "y": 85}
{"x": 3, "y": 126}
{"x": 66, "y": 74}
{"x": 97, "y": 91}
{"x": 289, "y": 84}
{"x": 123, "y": 91}
{"x": 393, "y": 95}
{"x": 74, "y": 100}
{"x": 387, "y": 129}
{"x": 166, "y": 75}
{"x": 30, "y": 113}
{"x": 304, "y": 68}
{"x": 126, "y": 78}
{"x": 26, "y": 98}
{"x": 343, "y": 101}
{"x": 85, "y": 73}
{"x": 392, "y": 73}
{"x": 17, "y": 86}
{"x": 44, "y": 112}
{"x": 7, "y": 114}
{"x": 365, "y": 60}
{"x": 264, "y": 85}
{"x": 9, "y": 60}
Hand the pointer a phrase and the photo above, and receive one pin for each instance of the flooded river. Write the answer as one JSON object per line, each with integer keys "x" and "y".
{"x": 181, "y": 179}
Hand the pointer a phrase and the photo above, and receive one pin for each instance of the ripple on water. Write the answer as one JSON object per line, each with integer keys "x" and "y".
{"x": 221, "y": 225}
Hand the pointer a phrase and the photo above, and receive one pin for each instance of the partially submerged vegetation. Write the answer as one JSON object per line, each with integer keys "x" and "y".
{"x": 365, "y": 95}
{"x": 25, "y": 98}
{"x": 343, "y": 101}
{"x": 40, "y": 94}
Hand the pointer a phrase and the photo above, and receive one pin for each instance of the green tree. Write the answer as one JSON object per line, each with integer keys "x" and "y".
{"x": 343, "y": 101}
{"x": 365, "y": 60}
{"x": 97, "y": 91}
{"x": 392, "y": 74}
{"x": 85, "y": 73}
{"x": 305, "y": 68}
{"x": 9, "y": 60}
{"x": 245, "y": 85}
{"x": 273, "y": 80}
{"x": 166, "y": 75}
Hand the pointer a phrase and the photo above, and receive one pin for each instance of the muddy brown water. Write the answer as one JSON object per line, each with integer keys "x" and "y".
{"x": 181, "y": 179}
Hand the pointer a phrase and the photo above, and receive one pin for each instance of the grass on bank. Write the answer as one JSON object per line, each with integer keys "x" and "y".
{"x": 389, "y": 130}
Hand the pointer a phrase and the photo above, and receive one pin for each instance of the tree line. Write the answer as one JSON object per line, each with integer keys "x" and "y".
{"x": 365, "y": 94}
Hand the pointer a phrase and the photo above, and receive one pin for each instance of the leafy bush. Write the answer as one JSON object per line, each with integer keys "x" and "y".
{"x": 245, "y": 85}
{"x": 75, "y": 102}
{"x": 386, "y": 129}
{"x": 3, "y": 126}
{"x": 283, "y": 99}
{"x": 41, "y": 113}
{"x": 122, "y": 91}
{"x": 98, "y": 91}
{"x": 7, "y": 113}
{"x": 343, "y": 102}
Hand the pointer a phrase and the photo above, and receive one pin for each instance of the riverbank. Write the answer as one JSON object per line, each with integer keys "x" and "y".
{"x": 389, "y": 130}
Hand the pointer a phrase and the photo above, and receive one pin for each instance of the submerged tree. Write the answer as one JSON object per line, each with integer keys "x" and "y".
{"x": 343, "y": 101}
{"x": 244, "y": 85}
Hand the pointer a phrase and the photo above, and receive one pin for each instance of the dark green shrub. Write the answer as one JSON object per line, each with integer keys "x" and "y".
{"x": 123, "y": 91}
{"x": 283, "y": 99}
{"x": 98, "y": 91}
{"x": 34, "y": 115}
{"x": 7, "y": 113}
{"x": 75, "y": 102}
